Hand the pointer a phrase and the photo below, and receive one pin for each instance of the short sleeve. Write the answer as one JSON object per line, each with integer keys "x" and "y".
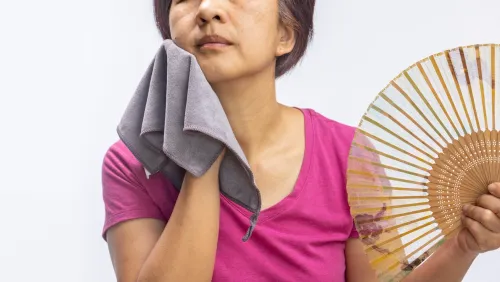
{"x": 124, "y": 193}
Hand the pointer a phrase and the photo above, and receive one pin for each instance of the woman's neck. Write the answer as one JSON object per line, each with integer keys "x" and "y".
{"x": 253, "y": 111}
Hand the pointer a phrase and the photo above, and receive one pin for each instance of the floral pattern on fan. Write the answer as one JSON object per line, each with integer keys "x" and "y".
{"x": 371, "y": 230}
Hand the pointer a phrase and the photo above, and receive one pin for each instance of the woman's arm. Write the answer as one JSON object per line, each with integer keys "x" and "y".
{"x": 358, "y": 267}
{"x": 184, "y": 250}
{"x": 453, "y": 259}
{"x": 447, "y": 264}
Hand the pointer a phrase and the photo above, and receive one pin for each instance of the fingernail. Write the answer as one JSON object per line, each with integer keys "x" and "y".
{"x": 465, "y": 207}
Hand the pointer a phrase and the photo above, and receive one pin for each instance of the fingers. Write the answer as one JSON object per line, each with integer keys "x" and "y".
{"x": 482, "y": 220}
{"x": 483, "y": 216}
{"x": 489, "y": 202}
{"x": 494, "y": 189}
{"x": 485, "y": 239}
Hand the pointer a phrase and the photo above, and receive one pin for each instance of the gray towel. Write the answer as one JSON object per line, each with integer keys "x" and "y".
{"x": 175, "y": 123}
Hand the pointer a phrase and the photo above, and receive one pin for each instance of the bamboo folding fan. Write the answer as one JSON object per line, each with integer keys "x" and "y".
{"x": 428, "y": 144}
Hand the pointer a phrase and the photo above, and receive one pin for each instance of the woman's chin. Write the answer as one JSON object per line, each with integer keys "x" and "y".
{"x": 215, "y": 76}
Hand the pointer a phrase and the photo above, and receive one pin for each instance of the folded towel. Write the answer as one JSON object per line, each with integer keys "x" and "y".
{"x": 175, "y": 123}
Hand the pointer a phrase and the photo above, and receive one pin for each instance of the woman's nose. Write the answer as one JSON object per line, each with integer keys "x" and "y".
{"x": 211, "y": 10}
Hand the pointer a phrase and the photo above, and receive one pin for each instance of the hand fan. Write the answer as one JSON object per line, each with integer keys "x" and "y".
{"x": 428, "y": 144}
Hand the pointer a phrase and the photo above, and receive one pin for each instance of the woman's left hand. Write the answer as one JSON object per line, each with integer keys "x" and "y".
{"x": 482, "y": 223}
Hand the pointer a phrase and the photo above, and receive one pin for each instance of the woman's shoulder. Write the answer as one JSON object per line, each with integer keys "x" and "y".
{"x": 330, "y": 144}
{"x": 120, "y": 165}
{"x": 119, "y": 158}
{"x": 330, "y": 131}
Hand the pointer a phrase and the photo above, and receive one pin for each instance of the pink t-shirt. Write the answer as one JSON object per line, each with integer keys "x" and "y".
{"x": 302, "y": 238}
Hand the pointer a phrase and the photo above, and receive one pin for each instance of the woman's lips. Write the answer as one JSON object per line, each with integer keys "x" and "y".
{"x": 213, "y": 42}
{"x": 213, "y": 46}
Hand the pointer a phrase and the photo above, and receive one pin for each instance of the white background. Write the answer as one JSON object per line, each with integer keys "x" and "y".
{"x": 68, "y": 68}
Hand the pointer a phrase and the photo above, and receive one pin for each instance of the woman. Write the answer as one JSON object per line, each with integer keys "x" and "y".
{"x": 305, "y": 231}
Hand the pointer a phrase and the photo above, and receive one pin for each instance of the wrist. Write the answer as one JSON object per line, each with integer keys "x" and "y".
{"x": 209, "y": 181}
{"x": 459, "y": 249}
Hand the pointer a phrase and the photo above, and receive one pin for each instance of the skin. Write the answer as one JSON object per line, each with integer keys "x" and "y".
{"x": 272, "y": 137}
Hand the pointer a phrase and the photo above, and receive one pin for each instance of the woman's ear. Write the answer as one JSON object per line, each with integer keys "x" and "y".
{"x": 286, "y": 40}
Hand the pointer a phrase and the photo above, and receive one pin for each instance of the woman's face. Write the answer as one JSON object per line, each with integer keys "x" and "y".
{"x": 230, "y": 38}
